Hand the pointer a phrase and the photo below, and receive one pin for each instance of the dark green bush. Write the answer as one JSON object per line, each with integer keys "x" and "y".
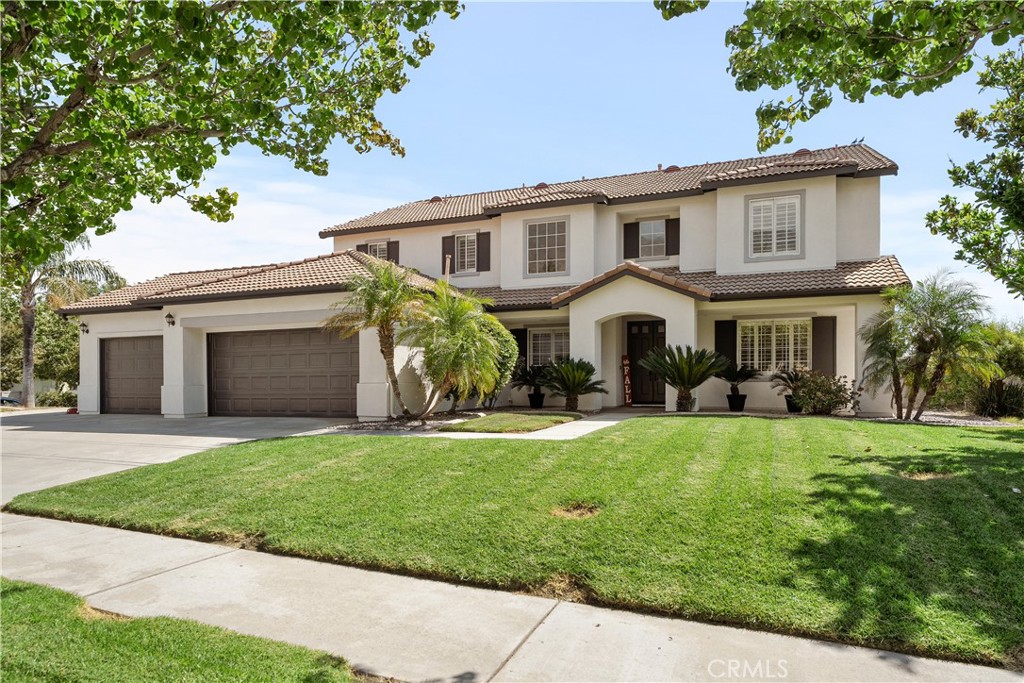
{"x": 820, "y": 394}
{"x": 57, "y": 399}
{"x": 1000, "y": 399}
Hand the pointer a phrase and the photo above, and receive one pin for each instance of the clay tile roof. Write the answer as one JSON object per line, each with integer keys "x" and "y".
{"x": 858, "y": 160}
{"x": 327, "y": 273}
{"x": 519, "y": 299}
{"x": 848, "y": 277}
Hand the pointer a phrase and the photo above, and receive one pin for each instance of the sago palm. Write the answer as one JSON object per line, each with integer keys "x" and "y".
{"x": 384, "y": 300}
{"x": 572, "y": 378}
{"x": 684, "y": 370}
{"x": 61, "y": 280}
{"x": 459, "y": 352}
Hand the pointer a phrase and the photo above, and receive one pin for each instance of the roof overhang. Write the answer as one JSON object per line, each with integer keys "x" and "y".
{"x": 630, "y": 269}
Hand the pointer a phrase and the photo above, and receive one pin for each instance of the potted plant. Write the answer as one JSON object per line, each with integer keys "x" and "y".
{"x": 572, "y": 378}
{"x": 532, "y": 376}
{"x": 786, "y": 380}
{"x": 735, "y": 376}
{"x": 684, "y": 370}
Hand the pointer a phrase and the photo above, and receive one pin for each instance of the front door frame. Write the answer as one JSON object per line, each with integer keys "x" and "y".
{"x": 647, "y": 389}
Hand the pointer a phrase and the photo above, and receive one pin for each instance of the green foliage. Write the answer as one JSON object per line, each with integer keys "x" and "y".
{"x": 383, "y": 301}
{"x": 920, "y": 335}
{"x": 737, "y": 375}
{"x": 786, "y": 379}
{"x": 105, "y": 101}
{"x": 819, "y": 394}
{"x": 528, "y": 376}
{"x": 989, "y": 231}
{"x": 572, "y": 378}
{"x": 684, "y": 370}
{"x": 999, "y": 399}
{"x": 459, "y": 350}
{"x": 855, "y": 49}
{"x": 56, "y": 348}
{"x": 57, "y": 399}
{"x": 10, "y": 340}
{"x": 508, "y": 356}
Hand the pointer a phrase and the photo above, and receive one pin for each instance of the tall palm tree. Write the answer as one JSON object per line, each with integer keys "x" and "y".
{"x": 459, "y": 352}
{"x": 684, "y": 370}
{"x": 921, "y": 334}
{"x": 384, "y": 300}
{"x": 58, "y": 282}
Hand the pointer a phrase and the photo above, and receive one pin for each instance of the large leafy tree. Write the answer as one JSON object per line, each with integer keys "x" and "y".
{"x": 106, "y": 100}
{"x": 59, "y": 281}
{"x": 814, "y": 51}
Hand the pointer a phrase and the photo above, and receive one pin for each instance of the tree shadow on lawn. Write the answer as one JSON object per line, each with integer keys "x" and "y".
{"x": 924, "y": 551}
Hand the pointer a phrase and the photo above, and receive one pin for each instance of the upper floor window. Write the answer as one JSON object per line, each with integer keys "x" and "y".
{"x": 547, "y": 346}
{"x": 774, "y": 226}
{"x": 652, "y": 238}
{"x": 768, "y": 345}
{"x": 546, "y": 247}
{"x": 377, "y": 249}
{"x": 465, "y": 253}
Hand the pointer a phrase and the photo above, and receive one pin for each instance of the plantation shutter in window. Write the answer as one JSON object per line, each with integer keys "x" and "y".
{"x": 631, "y": 240}
{"x": 483, "y": 252}
{"x": 393, "y": 252}
{"x": 823, "y": 344}
{"x": 448, "y": 254}
{"x": 761, "y": 230}
{"x": 786, "y": 228}
{"x": 671, "y": 237}
{"x": 362, "y": 248}
{"x": 725, "y": 338}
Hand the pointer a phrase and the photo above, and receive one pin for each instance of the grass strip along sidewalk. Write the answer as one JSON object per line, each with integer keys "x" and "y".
{"x": 906, "y": 537}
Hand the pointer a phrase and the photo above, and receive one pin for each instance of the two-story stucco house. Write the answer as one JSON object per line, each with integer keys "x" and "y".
{"x": 773, "y": 261}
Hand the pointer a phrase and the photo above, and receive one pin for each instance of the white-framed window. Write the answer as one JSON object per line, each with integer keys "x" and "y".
{"x": 774, "y": 225}
{"x": 652, "y": 238}
{"x": 548, "y": 345}
{"x": 546, "y": 247}
{"x": 769, "y": 345}
{"x": 378, "y": 249}
{"x": 465, "y": 253}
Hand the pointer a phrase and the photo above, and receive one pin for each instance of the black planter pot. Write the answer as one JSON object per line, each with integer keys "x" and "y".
{"x": 791, "y": 405}
{"x": 536, "y": 400}
{"x": 736, "y": 402}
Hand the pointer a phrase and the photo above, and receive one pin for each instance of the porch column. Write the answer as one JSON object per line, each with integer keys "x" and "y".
{"x": 681, "y": 329}
{"x": 88, "y": 373}
{"x": 585, "y": 343}
{"x": 183, "y": 393}
{"x": 373, "y": 393}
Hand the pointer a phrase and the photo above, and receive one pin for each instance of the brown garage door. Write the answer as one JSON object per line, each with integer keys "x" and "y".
{"x": 283, "y": 373}
{"x": 132, "y": 371}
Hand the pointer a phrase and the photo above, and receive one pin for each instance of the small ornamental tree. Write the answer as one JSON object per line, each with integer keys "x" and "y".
{"x": 684, "y": 369}
{"x": 572, "y": 378}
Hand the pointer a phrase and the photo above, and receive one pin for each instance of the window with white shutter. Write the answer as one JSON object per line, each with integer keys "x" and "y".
{"x": 774, "y": 226}
{"x": 769, "y": 345}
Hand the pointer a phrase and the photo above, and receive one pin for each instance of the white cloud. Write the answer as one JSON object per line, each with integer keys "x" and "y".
{"x": 922, "y": 253}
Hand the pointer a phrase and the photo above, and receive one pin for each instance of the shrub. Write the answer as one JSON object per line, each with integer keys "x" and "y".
{"x": 820, "y": 394}
{"x": 786, "y": 379}
{"x": 572, "y": 378}
{"x": 57, "y": 399}
{"x": 508, "y": 356}
{"x": 684, "y": 369}
{"x": 1000, "y": 399}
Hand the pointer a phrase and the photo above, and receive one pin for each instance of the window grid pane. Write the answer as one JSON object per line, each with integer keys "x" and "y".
{"x": 769, "y": 345}
{"x": 652, "y": 238}
{"x": 546, "y": 247}
{"x": 465, "y": 253}
{"x": 774, "y": 226}
{"x": 548, "y": 345}
{"x": 377, "y": 249}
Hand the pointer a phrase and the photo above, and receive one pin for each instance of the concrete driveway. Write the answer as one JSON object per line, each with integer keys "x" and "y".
{"x": 40, "y": 449}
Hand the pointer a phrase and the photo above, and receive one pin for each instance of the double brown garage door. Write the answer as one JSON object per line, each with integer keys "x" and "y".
{"x": 275, "y": 373}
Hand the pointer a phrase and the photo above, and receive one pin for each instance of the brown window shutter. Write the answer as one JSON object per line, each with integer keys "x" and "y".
{"x": 362, "y": 247}
{"x": 725, "y": 339}
{"x": 631, "y": 240}
{"x": 393, "y": 251}
{"x": 448, "y": 251}
{"x": 671, "y": 236}
{"x": 521, "y": 337}
{"x": 823, "y": 344}
{"x": 483, "y": 252}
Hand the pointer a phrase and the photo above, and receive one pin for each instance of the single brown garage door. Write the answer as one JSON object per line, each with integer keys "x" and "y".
{"x": 281, "y": 373}
{"x": 132, "y": 372}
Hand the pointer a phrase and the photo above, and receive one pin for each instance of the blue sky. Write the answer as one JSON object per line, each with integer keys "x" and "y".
{"x": 524, "y": 93}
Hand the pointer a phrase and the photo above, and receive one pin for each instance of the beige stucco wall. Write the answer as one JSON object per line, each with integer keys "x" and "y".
{"x": 858, "y": 218}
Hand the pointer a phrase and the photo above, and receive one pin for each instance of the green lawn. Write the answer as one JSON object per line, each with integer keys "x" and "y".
{"x": 901, "y": 536}
{"x": 49, "y": 635}
{"x": 498, "y": 423}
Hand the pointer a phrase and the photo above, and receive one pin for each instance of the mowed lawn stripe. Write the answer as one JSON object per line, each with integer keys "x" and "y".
{"x": 902, "y": 536}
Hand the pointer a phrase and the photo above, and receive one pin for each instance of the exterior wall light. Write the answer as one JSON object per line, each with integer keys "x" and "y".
{"x": 83, "y": 327}
{"x": 170, "y": 320}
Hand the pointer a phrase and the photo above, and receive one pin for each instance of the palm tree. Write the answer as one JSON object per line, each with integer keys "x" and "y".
{"x": 60, "y": 281}
{"x": 572, "y": 378}
{"x": 921, "y": 334}
{"x": 684, "y": 370}
{"x": 383, "y": 300}
{"x": 459, "y": 352}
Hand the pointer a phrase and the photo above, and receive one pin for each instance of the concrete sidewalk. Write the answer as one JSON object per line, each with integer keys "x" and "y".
{"x": 413, "y": 629}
